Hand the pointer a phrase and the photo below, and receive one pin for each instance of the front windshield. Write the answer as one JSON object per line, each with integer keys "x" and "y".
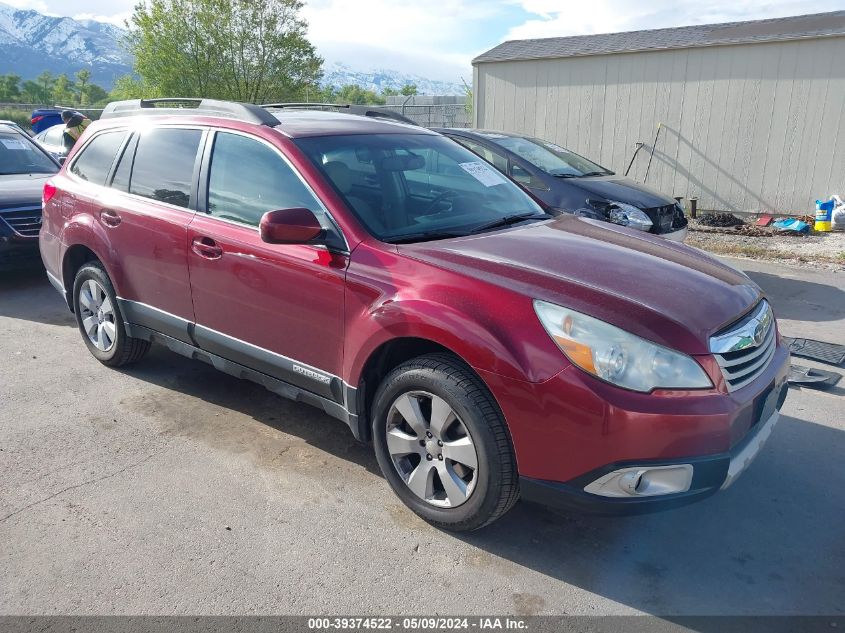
{"x": 19, "y": 156}
{"x": 416, "y": 187}
{"x": 552, "y": 159}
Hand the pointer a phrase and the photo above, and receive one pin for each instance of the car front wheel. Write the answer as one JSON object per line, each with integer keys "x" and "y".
{"x": 442, "y": 444}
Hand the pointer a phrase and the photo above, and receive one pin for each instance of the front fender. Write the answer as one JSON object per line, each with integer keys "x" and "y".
{"x": 490, "y": 328}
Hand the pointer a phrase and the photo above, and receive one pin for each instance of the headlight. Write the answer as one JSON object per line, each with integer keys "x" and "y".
{"x": 617, "y": 356}
{"x": 628, "y": 215}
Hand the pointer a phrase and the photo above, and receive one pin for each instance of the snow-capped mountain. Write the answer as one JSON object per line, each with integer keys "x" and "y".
{"x": 338, "y": 74}
{"x": 31, "y": 42}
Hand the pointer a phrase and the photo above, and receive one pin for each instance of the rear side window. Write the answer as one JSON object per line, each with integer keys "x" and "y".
{"x": 495, "y": 158}
{"x": 247, "y": 179}
{"x": 53, "y": 136}
{"x": 164, "y": 165}
{"x": 96, "y": 158}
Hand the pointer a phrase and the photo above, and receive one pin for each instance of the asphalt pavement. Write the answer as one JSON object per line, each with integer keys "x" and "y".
{"x": 170, "y": 488}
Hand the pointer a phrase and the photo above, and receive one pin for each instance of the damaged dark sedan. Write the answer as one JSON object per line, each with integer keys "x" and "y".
{"x": 569, "y": 183}
{"x": 24, "y": 170}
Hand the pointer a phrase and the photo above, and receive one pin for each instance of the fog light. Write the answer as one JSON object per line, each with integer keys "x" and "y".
{"x": 643, "y": 481}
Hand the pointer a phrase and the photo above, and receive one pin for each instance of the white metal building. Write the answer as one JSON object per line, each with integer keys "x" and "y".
{"x": 752, "y": 113}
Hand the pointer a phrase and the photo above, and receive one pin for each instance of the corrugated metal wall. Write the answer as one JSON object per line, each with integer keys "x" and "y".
{"x": 747, "y": 127}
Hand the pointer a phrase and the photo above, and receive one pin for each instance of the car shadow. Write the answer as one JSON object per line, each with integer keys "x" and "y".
{"x": 28, "y": 295}
{"x": 772, "y": 543}
{"x": 201, "y": 382}
{"x": 760, "y": 547}
{"x": 800, "y": 300}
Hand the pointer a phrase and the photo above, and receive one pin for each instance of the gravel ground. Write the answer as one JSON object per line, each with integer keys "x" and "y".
{"x": 820, "y": 251}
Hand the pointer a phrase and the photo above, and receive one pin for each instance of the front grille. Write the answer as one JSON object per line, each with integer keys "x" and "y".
{"x": 24, "y": 222}
{"x": 662, "y": 217}
{"x": 744, "y": 349}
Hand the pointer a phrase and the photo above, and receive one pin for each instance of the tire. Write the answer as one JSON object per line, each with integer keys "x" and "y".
{"x": 97, "y": 311}
{"x": 447, "y": 492}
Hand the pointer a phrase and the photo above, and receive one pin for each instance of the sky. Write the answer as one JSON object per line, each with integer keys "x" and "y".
{"x": 437, "y": 40}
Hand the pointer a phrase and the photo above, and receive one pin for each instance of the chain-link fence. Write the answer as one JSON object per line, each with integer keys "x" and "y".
{"x": 442, "y": 115}
{"x": 27, "y": 108}
{"x": 426, "y": 115}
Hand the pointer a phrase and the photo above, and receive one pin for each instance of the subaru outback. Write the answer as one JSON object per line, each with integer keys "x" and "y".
{"x": 386, "y": 274}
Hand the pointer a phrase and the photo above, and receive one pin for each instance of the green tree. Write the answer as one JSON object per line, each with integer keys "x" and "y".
{"x": 357, "y": 95}
{"x": 468, "y": 102}
{"x": 97, "y": 95}
{"x": 63, "y": 90}
{"x": 31, "y": 92}
{"x": 83, "y": 79}
{"x": 46, "y": 80}
{"x": 409, "y": 90}
{"x": 9, "y": 87}
{"x": 243, "y": 50}
{"x": 129, "y": 87}
{"x": 389, "y": 92}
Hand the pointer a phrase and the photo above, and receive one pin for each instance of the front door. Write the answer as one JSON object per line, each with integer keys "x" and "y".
{"x": 277, "y": 308}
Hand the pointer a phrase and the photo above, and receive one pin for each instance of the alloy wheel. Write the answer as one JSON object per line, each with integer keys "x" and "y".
{"x": 431, "y": 449}
{"x": 97, "y": 313}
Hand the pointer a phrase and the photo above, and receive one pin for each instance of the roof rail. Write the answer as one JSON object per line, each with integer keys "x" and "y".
{"x": 376, "y": 112}
{"x": 190, "y": 106}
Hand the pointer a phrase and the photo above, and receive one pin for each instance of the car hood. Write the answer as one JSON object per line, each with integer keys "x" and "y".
{"x": 620, "y": 189}
{"x": 21, "y": 190}
{"x": 669, "y": 293}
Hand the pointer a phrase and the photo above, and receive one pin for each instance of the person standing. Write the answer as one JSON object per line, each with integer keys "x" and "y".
{"x": 75, "y": 124}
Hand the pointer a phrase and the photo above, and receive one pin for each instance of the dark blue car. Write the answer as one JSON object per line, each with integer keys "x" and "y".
{"x": 24, "y": 168}
{"x": 569, "y": 183}
{"x": 44, "y": 118}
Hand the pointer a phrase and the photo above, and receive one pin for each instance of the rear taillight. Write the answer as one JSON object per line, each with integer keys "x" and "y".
{"x": 48, "y": 193}
{"x": 36, "y": 119}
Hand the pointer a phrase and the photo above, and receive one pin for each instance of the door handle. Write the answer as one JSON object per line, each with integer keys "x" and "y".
{"x": 110, "y": 217}
{"x": 206, "y": 247}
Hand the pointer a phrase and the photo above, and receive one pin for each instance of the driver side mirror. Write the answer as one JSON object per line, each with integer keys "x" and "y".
{"x": 289, "y": 226}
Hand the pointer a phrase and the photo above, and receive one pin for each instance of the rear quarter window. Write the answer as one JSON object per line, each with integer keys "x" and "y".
{"x": 164, "y": 165}
{"x": 96, "y": 158}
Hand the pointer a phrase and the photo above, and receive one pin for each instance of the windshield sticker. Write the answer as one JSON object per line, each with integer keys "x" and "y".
{"x": 13, "y": 143}
{"x": 484, "y": 174}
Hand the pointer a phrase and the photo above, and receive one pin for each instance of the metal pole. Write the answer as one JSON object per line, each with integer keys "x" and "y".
{"x": 639, "y": 147}
{"x": 656, "y": 136}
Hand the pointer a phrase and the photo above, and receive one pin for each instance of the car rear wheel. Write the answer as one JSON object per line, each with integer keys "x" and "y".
{"x": 100, "y": 321}
{"x": 442, "y": 444}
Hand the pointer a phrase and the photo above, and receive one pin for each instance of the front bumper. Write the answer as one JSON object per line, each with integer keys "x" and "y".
{"x": 16, "y": 254}
{"x": 676, "y": 236}
{"x": 574, "y": 429}
{"x": 710, "y": 474}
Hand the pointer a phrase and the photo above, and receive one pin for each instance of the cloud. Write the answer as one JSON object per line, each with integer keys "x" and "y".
{"x": 118, "y": 19}
{"x": 550, "y": 19}
{"x": 438, "y": 40}
{"x": 35, "y": 5}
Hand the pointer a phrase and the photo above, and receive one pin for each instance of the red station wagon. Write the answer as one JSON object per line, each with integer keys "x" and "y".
{"x": 389, "y": 276}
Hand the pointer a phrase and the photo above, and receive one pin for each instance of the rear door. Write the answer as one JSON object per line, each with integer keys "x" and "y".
{"x": 277, "y": 308}
{"x": 145, "y": 216}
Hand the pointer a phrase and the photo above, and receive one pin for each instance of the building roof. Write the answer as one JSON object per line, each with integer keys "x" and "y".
{"x": 773, "y": 30}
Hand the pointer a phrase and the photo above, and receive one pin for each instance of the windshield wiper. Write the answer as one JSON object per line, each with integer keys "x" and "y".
{"x": 423, "y": 236}
{"x": 567, "y": 175}
{"x": 598, "y": 173}
{"x": 509, "y": 220}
